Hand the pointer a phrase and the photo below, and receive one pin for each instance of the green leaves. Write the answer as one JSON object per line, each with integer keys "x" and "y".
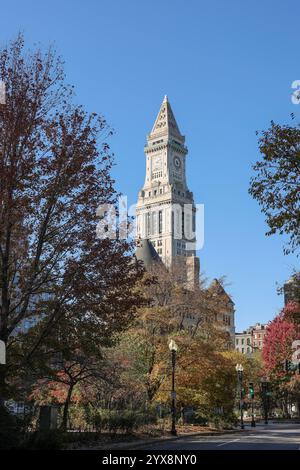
{"x": 276, "y": 183}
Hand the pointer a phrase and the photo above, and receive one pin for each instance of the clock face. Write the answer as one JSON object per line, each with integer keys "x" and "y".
{"x": 177, "y": 162}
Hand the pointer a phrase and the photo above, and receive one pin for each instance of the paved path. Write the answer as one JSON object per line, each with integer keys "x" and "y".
{"x": 263, "y": 437}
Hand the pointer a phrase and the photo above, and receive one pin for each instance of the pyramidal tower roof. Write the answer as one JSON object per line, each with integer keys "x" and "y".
{"x": 146, "y": 252}
{"x": 165, "y": 124}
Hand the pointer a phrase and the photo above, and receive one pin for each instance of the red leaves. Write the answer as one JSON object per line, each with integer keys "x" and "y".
{"x": 278, "y": 344}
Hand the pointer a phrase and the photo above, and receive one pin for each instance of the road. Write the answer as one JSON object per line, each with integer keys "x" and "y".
{"x": 263, "y": 437}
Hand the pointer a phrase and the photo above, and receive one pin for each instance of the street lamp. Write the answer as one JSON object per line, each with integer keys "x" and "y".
{"x": 173, "y": 348}
{"x": 239, "y": 368}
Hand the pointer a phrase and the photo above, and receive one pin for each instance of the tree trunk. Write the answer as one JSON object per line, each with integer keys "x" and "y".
{"x": 66, "y": 408}
{"x": 285, "y": 406}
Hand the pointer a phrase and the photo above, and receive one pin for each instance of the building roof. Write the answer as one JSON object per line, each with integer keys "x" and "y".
{"x": 257, "y": 328}
{"x": 165, "y": 123}
{"x": 146, "y": 252}
{"x": 217, "y": 286}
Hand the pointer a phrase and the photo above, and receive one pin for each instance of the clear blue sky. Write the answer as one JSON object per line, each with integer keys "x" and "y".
{"x": 227, "y": 68}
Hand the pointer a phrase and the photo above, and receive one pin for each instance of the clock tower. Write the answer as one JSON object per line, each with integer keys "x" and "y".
{"x": 165, "y": 212}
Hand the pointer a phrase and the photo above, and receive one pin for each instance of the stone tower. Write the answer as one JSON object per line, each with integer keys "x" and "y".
{"x": 165, "y": 209}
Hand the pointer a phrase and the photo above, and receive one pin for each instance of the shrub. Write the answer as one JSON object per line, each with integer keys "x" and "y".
{"x": 226, "y": 421}
{"x": 115, "y": 421}
{"x": 129, "y": 421}
{"x": 52, "y": 439}
{"x": 121, "y": 420}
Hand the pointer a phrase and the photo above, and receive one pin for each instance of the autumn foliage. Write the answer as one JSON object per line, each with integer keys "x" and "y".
{"x": 63, "y": 288}
{"x": 281, "y": 332}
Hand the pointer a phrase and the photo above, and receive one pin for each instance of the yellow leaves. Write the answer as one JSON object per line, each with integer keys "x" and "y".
{"x": 188, "y": 317}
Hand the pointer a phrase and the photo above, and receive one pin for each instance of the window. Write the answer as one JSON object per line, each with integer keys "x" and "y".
{"x": 248, "y": 350}
{"x": 236, "y": 341}
{"x": 159, "y": 221}
{"x": 243, "y": 350}
{"x": 157, "y": 142}
{"x": 243, "y": 340}
{"x": 148, "y": 223}
{"x": 154, "y": 223}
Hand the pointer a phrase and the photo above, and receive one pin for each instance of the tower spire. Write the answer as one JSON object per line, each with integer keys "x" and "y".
{"x": 165, "y": 123}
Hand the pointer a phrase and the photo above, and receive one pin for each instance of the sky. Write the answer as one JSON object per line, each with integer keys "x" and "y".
{"x": 227, "y": 68}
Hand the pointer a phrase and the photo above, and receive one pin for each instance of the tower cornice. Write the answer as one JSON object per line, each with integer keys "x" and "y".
{"x": 166, "y": 145}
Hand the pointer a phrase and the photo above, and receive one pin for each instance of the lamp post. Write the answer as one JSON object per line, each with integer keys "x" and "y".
{"x": 239, "y": 368}
{"x": 173, "y": 348}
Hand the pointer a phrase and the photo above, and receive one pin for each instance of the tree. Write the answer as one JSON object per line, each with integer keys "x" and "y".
{"x": 277, "y": 346}
{"x": 206, "y": 379}
{"x": 291, "y": 289}
{"x": 291, "y": 313}
{"x": 54, "y": 172}
{"x": 172, "y": 311}
{"x": 72, "y": 356}
{"x": 276, "y": 184}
